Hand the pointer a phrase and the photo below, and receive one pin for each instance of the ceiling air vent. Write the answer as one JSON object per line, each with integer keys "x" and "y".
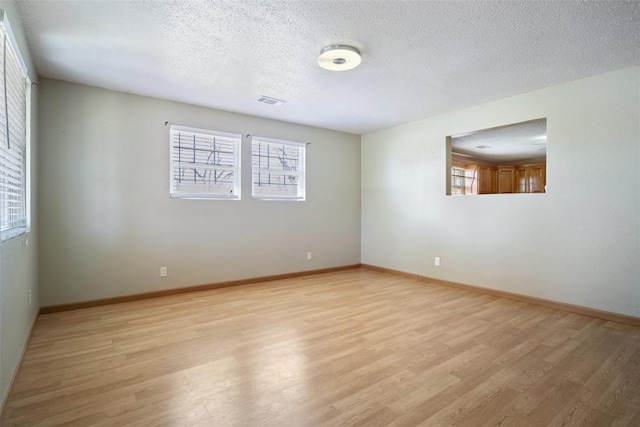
{"x": 270, "y": 101}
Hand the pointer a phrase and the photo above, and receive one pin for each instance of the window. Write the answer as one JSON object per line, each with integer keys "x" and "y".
{"x": 278, "y": 169}
{"x": 506, "y": 159}
{"x": 457, "y": 181}
{"x": 14, "y": 143}
{"x": 205, "y": 164}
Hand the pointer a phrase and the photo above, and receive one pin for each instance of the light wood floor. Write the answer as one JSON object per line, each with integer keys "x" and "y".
{"x": 350, "y": 348}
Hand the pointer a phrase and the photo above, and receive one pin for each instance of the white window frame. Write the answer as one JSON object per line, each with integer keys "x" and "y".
{"x": 299, "y": 172}
{"x": 15, "y": 151}
{"x": 177, "y": 164}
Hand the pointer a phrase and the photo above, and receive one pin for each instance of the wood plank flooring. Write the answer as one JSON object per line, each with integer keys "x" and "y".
{"x": 357, "y": 348}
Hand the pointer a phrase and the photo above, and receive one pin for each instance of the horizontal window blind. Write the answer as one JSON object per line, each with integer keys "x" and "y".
{"x": 13, "y": 144}
{"x": 205, "y": 164}
{"x": 277, "y": 169}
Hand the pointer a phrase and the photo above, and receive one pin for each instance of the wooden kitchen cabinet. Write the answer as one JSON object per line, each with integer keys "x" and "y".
{"x": 537, "y": 178}
{"x": 506, "y": 179}
{"x": 487, "y": 179}
{"x": 531, "y": 178}
{"x": 522, "y": 179}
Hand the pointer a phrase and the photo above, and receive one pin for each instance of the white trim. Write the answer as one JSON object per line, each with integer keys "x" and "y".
{"x": 278, "y": 141}
{"x": 27, "y": 153}
{"x": 179, "y": 128}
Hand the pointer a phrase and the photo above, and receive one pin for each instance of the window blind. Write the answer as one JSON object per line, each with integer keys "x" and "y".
{"x": 278, "y": 169}
{"x": 205, "y": 164}
{"x": 13, "y": 141}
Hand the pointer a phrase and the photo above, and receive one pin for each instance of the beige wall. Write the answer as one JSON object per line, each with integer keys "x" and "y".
{"x": 579, "y": 243}
{"x": 107, "y": 222}
{"x": 18, "y": 261}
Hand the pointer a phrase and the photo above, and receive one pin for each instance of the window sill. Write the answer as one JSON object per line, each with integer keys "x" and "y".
{"x": 13, "y": 233}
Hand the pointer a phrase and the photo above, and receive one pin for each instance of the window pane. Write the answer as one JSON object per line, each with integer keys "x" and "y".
{"x": 277, "y": 169}
{"x": 204, "y": 163}
{"x": 13, "y": 143}
{"x": 457, "y": 181}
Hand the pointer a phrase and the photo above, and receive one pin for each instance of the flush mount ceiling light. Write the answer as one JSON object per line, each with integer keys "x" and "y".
{"x": 339, "y": 57}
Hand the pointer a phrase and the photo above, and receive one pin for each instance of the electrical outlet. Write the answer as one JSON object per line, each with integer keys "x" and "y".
{"x": 436, "y": 261}
{"x": 163, "y": 271}
{"x": 309, "y": 256}
{"x": 29, "y": 296}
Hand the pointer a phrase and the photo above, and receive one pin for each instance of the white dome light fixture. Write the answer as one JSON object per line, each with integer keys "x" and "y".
{"x": 339, "y": 57}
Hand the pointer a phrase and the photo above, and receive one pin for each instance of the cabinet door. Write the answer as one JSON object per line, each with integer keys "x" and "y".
{"x": 493, "y": 171}
{"x": 536, "y": 178}
{"x": 484, "y": 180}
{"x": 522, "y": 179}
{"x": 506, "y": 179}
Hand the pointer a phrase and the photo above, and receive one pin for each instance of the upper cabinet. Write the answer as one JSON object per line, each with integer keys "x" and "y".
{"x": 487, "y": 179}
{"x": 536, "y": 178}
{"x": 506, "y": 179}
{"x": 531, "y": 178}
{"x": 474, "y": 178}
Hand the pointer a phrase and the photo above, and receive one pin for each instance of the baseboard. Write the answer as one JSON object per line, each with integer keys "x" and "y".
{"x": 175, "y": 291}
{"x": 19, "y": 364}
{"x": 587, "y": 311}
{"x": 606, "y": 315}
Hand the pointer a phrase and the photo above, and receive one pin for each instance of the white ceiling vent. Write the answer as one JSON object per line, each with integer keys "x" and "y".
{"x": 270, "y": 101}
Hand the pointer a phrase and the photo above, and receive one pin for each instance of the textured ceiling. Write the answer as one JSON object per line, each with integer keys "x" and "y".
{"x": 518, "y": 141}
{"x": 419, "y": 58}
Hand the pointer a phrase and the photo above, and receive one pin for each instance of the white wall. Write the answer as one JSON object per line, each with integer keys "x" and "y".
{"x": 579, "y": 243}
{"x": 107, "y": 222}
{"x": 18, "y": 262}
